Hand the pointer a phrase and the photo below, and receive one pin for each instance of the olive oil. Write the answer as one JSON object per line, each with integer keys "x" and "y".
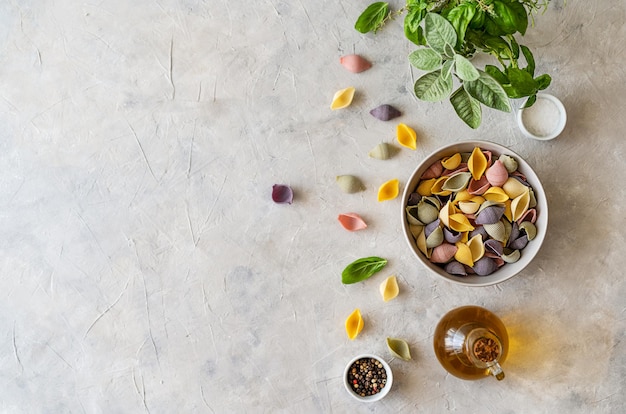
{"x": 471, "y": 342}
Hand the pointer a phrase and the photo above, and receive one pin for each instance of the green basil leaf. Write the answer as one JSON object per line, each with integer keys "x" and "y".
{"x": 362, "y": 269}
{"x": 530, "y": 60}
{"x": 425, "y": 59}
{"x": 497, "y": 74}
{"x": 433, "y": 87}
{"x": 530, "y": 101}
{"x": 466, "y": 107}
{"x": 460, "y": 18}
{"x": 412, "y": 29}
{"x": 543, "y": 81}
{"x": 438, "y": 32}
{"x": 465, "y": 69}
{"x": 521, "y": 83}
{"x": 506, "y": 18}
{"x": 478, "y": 21}
{"x": 372, "y": 17}
{"x": 514, "y": 47}
{"x": 488, "y": 91}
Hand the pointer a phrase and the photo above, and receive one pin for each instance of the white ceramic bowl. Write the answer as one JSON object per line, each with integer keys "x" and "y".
{"x": 544, "y": 120}
{"x": 375, "y": 397}
{"x": 527, "y": 254}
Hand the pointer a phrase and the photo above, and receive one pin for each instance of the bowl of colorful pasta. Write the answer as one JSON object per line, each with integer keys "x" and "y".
{"x": 474, "y": 213}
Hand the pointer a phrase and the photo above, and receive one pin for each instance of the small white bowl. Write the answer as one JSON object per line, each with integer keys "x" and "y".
{"x": 544, "y": 120}
{"x": 528, "y": 253}
{"x": 375, "y": 397}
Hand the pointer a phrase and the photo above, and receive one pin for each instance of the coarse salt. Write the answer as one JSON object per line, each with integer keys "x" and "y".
{"x": 541, "y": 119}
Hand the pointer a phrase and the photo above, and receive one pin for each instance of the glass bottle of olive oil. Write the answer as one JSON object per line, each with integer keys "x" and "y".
{"x": 471, "y": 342}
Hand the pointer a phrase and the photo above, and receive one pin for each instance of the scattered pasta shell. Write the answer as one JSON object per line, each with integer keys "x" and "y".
{"x": 342, "y": 98}
{"x": 389, "y": 288}
{"x": 282, "y": 194}
{"x": 477, "y": 163}
{"x": 399, "y": 348}
{"x": 349, "y": 183}
{"x": 352, "y": 221}
{"x": 381, "y": 151}
{"x": 406, "y": 136}
{"x": 354, "y": 324}
{"x": 355, "y": 63}
{"x": 389, "y": 190}
{"x": 385, "y": 112}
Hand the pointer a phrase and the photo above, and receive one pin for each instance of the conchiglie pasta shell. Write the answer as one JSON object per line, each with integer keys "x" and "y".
{"x": 511, "y": 256}
{"x": 355, "y": 63}
{"x": 477, "y": 163}
{"x": 421, "y": 244}
{"x": 389, "y": 288}
{"x": 389, "y": 190}
{"x": 469, "y": 207}
{"x": 399, "y": 348}
{"x": 381, "y": 151}
{"x": 352, "y": 221}
{"x": 354, "y": 324}
{"x": 406, "y": 136}
{"x": 529, "y": 228}
{"x": 514, "y": 188}
{"x": 433, "y": 171}
{"x": 443, "y": 253}
{"x": 463, "y": 196}
{"x": 476, "y": 247}
{"x": 342, "y": 98}
{"x": 437, "y": 187}
{"x": 478, "y": 187}
{"x": 426, "y": 212}
{"x": 497, "y": 231}
{"x": 412, "y": 217}
{"x": 452, "y": 162}
{"x": 425, "y": 187}
{"x": 519, "y": 205}
{"x": 415, "y": 230}
{"x": 485, "y": 266}
{"x": 444, "y": 213}
{"x": 349, "y": 183}
{"x": 509, "y": 163}
{"x": 497, "y": 174}
{"x": 459, "y": 222}
{"x": 435, "y": 238}
{"x": 496, "y": 194}
{"x": 457, "y": 182}
{"x": 464, "y": 254}
{"x": 455, "y": 268}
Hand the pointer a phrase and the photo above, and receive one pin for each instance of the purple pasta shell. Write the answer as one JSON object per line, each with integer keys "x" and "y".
{"x": 430, "y": 227}
{"x": 479, "y": 230}
{"x": 455, "y": 268}
{"x": 519, "y": 243}
{"x": 490, "y": 215}
{"x": 385, "y": 112}
{"x": 414, "y": 198}
{"x": 493, "y": 246}
{"x": 514, "y": 232}
{"x": 282, "y": 194}
{"x": 485, "y": 266}
{"x": 451, "y": 236}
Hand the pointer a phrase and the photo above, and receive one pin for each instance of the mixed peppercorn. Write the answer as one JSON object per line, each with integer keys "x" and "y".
{"x": 367, "y": 376}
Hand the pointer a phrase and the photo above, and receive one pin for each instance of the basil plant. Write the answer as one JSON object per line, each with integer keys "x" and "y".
{"x": 449, "y": 33}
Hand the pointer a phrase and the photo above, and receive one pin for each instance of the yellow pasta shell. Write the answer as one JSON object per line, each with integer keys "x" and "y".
{"x": 477, "y": 163}
{"x": 460, "y": 223}
{"x": 514, "y": 188}
{"x": 476, "y": 247}
{"x": 519, "y": 205}
{"x": 507, "y": 210}
{"x": 354, "y": 324}
{"x": 342, "y": 98}
{"x": 389, "y": 288}
{"x": 463, "y": 254}
{"x": 406, "y": 136}
{"x": 496, "y": 194}
{"x": 389, "y": 190}
{"x": 425, "y": 187}
{"x": 445, "y": 212}
{"x": 462, "y": 196}
{"x": 437, "y": 187}
{"x": 421, "y": 244}
{"x": 450, "y": 163}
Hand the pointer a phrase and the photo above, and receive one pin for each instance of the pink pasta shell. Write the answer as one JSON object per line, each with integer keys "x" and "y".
{"x": 355, "y": 63}
{"x": 352, "y": 221}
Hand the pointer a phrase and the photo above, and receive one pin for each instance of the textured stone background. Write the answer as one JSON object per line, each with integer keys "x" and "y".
{"x": 144, "y": 266}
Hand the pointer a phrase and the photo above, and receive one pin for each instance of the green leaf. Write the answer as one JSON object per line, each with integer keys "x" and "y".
{"x": 514, "y": 47}
{"x": 530, "y": 60}
{"x": 466, "y": 107}
{"x": 507, "y": 17}
{"x": 460, "y": 18}
{"x": 543, "y": 81}
{"x": 438, "y": 32}
{"x": 521, "y": 83}
{"x": 425, "y": 59}
{"x": 433, "y": 87}
{"x": 465, "y": 69}
{"x": 446, "y": 69}
{"x": 372, "y": 17}
{"x": 362, "y": 269}
{"x": 497, "y": 74}
{"x": 412, "y": 29}
{"x": 530, "y": 101}
{"x": 488, "y": 91}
